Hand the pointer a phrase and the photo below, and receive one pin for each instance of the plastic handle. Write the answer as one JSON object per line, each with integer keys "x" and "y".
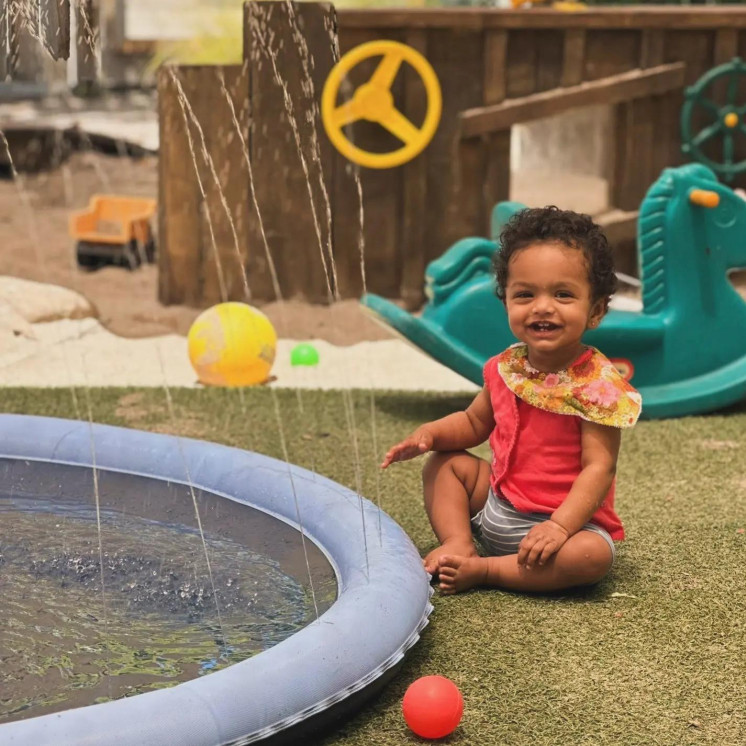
{"x": 704, "y": 198}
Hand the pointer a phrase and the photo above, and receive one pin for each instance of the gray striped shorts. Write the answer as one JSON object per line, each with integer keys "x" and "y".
{"x": 499, "y": 527}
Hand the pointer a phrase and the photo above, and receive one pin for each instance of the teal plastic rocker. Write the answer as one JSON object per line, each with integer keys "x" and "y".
{"x": 685, "y": 351}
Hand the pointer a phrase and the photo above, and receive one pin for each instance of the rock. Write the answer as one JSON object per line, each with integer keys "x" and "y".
{"x": 37, "y": 301}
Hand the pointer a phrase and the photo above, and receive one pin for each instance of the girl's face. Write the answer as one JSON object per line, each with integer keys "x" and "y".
{"x": 548, "y": 299}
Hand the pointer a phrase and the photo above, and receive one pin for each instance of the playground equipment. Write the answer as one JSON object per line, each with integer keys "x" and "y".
{"x": 115, "y": 230}
{"x": 728, "y": 118}
{"x": 685, "y": 351}
{"x": 374, "y": 102}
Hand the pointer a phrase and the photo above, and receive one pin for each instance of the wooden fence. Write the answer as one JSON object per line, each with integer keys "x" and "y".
{"x": 496, "y": 68}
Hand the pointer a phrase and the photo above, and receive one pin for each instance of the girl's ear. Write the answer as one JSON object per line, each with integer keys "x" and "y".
{"x": 598, "y": 311}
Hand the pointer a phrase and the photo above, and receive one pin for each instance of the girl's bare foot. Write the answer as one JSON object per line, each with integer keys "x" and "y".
{"x": 459, "y": 547}
{"x": 458, "y": 574}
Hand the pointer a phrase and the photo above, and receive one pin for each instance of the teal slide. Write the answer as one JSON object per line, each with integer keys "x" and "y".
{"x": 685, "y": 351}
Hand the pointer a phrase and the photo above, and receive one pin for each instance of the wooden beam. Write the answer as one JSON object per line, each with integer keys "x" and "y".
{"x": 611, "y": 90}
{"x": 682, "y": 18}
{"x": 138, "y": 47}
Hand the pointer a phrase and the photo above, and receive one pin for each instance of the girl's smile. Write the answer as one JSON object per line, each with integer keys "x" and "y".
{"x": 549, "y": 303}
{"x": 544, "y": 328}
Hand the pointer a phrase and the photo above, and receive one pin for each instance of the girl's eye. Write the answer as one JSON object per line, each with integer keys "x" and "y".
{"x": 522, "y": 294}
{"x": 564, "y": 294}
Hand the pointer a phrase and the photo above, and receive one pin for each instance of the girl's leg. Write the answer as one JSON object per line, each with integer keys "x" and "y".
{"x": 455, "y": 484}
{"x": 582, "y": 560}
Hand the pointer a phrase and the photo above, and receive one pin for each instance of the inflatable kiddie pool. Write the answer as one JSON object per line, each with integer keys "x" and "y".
{"x": 305, "y": 682}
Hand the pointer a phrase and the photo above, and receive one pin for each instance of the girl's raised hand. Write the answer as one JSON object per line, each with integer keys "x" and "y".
{"x": 416, "y": 444}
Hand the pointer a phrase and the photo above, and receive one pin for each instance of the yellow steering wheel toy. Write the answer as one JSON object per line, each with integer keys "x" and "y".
{"x": 374, "y": 102}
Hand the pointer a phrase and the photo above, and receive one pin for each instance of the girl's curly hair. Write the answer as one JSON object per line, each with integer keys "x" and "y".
{"x": 552, "y": 225}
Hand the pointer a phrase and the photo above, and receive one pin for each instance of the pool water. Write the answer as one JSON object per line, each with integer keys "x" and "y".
{"x": 161, "y": 618}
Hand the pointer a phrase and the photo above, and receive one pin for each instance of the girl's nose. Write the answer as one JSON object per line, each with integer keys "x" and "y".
{"x": 542, "y": 304}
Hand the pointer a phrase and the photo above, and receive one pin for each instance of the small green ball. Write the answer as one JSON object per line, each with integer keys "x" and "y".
{"x": 304, "y": 354}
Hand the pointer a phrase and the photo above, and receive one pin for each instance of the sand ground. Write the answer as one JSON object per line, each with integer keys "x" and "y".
{"x": 34, "y": 214}
{"x": 126, "y": 337}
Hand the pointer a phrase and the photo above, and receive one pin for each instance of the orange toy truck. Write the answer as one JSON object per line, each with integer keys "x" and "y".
{"x": 114, "y": 230}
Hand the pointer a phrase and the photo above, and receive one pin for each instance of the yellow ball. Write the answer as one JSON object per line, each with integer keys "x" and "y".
{"x": 232, "y": 344}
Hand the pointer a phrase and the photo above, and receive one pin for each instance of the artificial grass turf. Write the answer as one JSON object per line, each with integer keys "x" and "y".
{"x": 652, "y": 655}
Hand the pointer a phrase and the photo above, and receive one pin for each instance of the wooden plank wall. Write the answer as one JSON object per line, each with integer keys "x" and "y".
{"x": 518, "y": 53}
{"x": 411, "y": 214}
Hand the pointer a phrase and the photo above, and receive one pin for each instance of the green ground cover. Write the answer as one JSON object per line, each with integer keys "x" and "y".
{"x": 652, "y": 655}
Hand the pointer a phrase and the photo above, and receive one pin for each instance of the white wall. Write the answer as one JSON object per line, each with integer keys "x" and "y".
{"x": 576, "y": 141}
{"x": 562, "y": 160}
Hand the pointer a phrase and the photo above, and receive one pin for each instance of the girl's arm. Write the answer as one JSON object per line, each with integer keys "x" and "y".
{"x": 599, "y": 452}
{"x": 454, "y": 432}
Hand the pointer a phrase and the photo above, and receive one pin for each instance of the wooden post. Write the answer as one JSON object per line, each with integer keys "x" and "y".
{"x": 573, "y": 57}
{"x": 86, "y": 43}
{"x": 497, "y": 174}
{"x": 290, "y": 53}
{"x": 23, "y": 33}
{"x": 633, "y": 159}
{"x": 13, "y": 39}
{"x": 354, "y": 231}
{"x": 179, "y": 204}
{"x": 479, "y": 172}
{"x": 415, "y": 193}
{"x": 726, "y": 45}
{"x": 55, "y": 27}
{"x": 203, "y": 185}
{"x": 4, "y": 34}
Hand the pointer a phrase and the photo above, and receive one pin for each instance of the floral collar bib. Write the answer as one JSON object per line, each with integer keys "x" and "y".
{"x": 590, "y": 388}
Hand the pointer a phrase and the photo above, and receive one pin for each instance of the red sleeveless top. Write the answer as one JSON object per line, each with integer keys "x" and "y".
{"x": 537, "y": 453}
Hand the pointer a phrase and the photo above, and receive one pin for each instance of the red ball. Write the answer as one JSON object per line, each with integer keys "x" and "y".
{"x": 433, "y": 706}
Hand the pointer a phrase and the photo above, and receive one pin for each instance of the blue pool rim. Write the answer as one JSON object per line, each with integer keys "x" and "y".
{"x": 382, "y": 606}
